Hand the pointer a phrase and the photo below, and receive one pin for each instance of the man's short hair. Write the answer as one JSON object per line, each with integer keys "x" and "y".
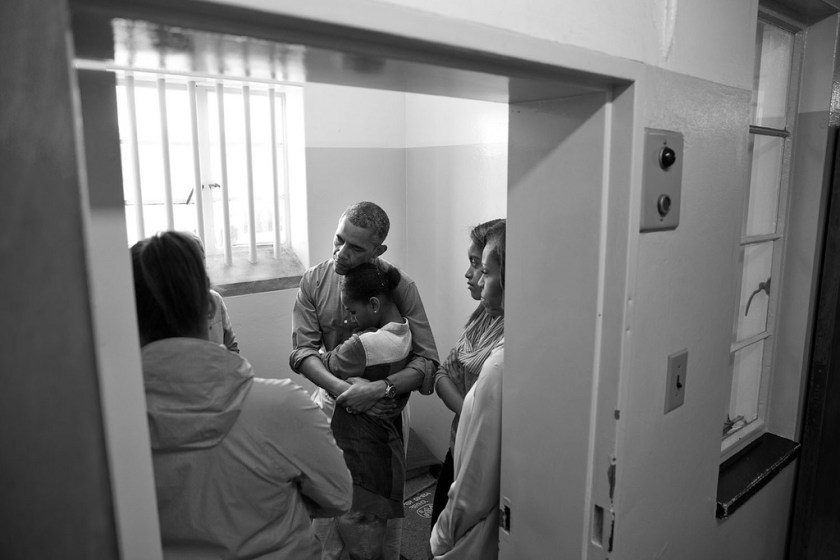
{"x": 369, "y": 216}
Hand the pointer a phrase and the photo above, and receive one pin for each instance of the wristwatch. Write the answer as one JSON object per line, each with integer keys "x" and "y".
{"x": 390, "y": 389}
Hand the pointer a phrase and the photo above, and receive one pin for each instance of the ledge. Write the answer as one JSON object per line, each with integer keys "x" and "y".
{"x": 258, "y": 286}
{"x": 744, "y": 474}
{"x": 244, "y": 277}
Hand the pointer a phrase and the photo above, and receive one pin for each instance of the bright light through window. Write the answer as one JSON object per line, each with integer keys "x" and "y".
{"x": 265, "y": 169}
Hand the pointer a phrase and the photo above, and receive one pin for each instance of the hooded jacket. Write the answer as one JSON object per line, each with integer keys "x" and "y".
{"x": 241, "y": 464}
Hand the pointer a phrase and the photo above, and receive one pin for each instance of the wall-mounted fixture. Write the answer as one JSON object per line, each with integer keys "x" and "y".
{"x": 675, "y": 384}
{"x": 662, "y": 180}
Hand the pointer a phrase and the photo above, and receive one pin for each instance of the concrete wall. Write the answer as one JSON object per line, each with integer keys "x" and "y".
{"x": 555, "y": 198}
{"x": 57, "y": 496}
{"x": 709, "y": 39}
{"x": 456, "y": 177}
{"x": 684, "y": 295}
{"x": 355, "y": 150}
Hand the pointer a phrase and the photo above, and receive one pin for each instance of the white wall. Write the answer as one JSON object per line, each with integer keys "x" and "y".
{"x": 555, "y": 199}
{"x": 709, "y": 39}
{"x": 684, "y": 293}
{"x": 355, "y": 150}
{"x": 456, "y": 178}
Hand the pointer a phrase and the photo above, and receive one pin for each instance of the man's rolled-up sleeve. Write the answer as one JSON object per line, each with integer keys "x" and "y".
{"x": 423, "y": 348}
{"x": 306, "y": 329}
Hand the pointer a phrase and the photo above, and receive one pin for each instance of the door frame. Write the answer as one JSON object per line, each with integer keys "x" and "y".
{"x": 469, "y": 61}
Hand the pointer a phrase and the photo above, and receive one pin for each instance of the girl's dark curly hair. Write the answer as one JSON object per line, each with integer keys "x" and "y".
{"x": 369, "y": 280}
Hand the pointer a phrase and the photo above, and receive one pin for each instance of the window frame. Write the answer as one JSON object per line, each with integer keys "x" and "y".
{"x": 269, "y": 265}
{"x": 740, "y": 439}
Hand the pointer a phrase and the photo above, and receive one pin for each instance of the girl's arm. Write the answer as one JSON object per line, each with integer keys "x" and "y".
{"x": 346, "y": 360}
{"x": 446, "y": 383}
{"x": 449, "y": 393}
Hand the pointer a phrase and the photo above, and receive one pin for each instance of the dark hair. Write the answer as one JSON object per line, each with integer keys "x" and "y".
{"x": 369, "y": 280}
{"x": 369, "y": 216}
{"x": 171, "y": 288}
{"x": 496, "y": 241}
{"x": 478, "y": 234}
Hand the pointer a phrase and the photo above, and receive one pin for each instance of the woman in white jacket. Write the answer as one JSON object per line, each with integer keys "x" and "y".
{"x": 468, "y": 527}
{"x": 241, "y": 464}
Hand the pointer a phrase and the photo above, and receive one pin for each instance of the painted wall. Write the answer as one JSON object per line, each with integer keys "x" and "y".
{"x": 702, "y": 38}
{"x": 355, "y": 150}
{"x": 115, "y": 323}
{"x": 57, "y": 494}
{"x": 684, "y": 292}
{"x": 456, "y": 178}
{"x": 555, "y": 198}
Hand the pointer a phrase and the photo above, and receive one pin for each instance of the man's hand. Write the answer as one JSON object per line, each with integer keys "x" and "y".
{"x": 361, "y": 396}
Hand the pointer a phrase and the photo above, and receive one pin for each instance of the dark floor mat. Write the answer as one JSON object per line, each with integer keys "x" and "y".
{"x": 419, "y": 493}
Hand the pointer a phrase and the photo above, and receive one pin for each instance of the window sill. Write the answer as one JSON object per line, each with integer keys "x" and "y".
{"x": 266, "y": 275}
{"x": 750, "y": 469}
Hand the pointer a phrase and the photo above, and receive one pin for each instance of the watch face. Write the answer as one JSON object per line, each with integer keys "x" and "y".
{"x": 390, "y": 390}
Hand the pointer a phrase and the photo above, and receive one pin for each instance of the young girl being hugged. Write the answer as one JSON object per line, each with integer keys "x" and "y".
{"x": 372, "y": 442}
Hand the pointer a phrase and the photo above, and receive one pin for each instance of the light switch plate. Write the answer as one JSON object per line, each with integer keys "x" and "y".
{"x": 662, "y": 180}
{"x": 675, "y": 388}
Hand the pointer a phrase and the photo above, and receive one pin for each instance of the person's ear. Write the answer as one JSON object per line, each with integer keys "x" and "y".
{"x": 375, "y": 304}
{"x": 379, "y": 250}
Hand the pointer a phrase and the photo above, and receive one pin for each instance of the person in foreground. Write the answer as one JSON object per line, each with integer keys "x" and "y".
{"x": 241, "y": 464}
{"x": 457, "y": 374}
{"x": 373, "y": 445}
{"x": 468, "y": 527}
{"x": 320, "y": 320}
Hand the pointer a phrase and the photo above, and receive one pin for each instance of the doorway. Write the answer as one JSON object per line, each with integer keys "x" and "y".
{"x": 570, "y": 143}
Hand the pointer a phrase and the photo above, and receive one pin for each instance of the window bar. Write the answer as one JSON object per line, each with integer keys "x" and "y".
{"x": 767, "y": 131}
{"x": 738, "y": 345}
{"x": 286, "y": 202}
{"x": 220, "y": 97}
{"x": 754, "y": 239}
{"x": 135, "y": 153}
{"x": 275, "y": 190}
{"x": 192, "y": 91}
{"x": 249, "y": 163}
{"x": 164, "y": 141}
